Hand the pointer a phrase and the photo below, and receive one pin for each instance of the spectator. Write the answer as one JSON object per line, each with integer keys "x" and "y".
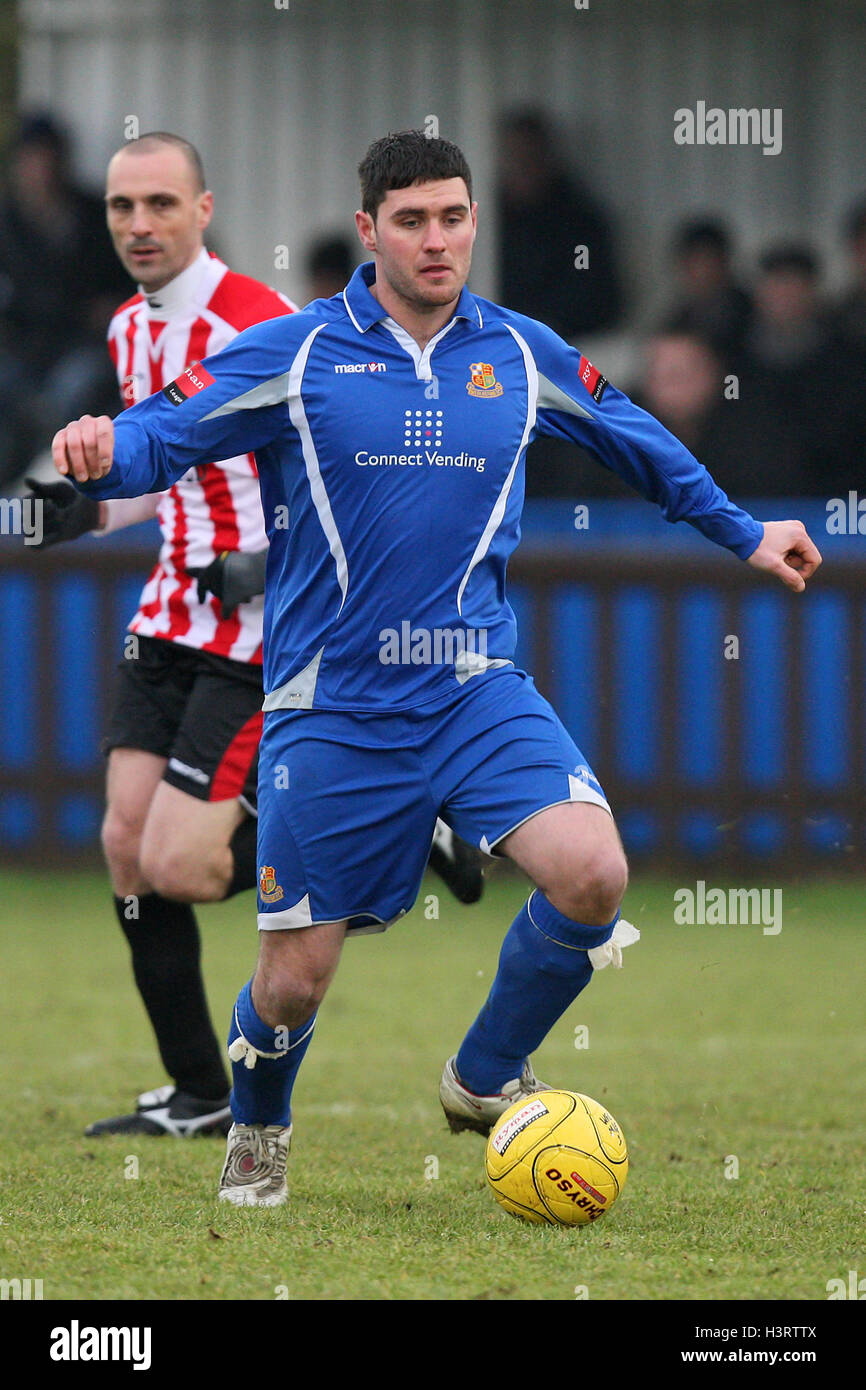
{"x": 790, "y": 327}
{"x": 543, "y": 216}
{"x": 330, "y": 265}
{"x": 749, "y": 451}
{"x": 796, "y": 378}
{"x": 710, "y": 303}
{"x": 850, "y": 314}
{"x": 776, "y": 418}
{"x": 683, "y": 386}
{"x": 59, "y": 282}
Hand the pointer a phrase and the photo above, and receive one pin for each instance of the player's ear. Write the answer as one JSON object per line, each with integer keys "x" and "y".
{"x": 366, "y": 230}
{"x": 205, "y": 209}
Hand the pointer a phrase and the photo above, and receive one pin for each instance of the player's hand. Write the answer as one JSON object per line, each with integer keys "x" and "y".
{"x": 233, "y": 577}
{"x": 84, "y": 449}
{"x": 66, "y": 514}
{"x": 788, "y": 552}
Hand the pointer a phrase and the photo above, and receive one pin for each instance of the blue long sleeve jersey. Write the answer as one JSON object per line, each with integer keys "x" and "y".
{"x": 392, "y": 483}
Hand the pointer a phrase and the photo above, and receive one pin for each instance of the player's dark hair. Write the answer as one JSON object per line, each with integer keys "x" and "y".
{"x": 703, "y": 234}
{"x": 790, "y": 259}
{"x": 330, "y": 255}
{"x": 152, "y": 138}
{"x": 408, "y": 156}
{"x": 532, "y": 122}
{"x": 41, "y": 128}
{"x": 855, "y": 220}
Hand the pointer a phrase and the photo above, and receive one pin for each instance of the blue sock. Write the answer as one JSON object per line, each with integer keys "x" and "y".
{"x": 543, "y": 966}
{"x": 261, "y": 1095}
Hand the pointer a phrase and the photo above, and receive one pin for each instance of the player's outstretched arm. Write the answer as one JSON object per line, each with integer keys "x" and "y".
{"x": 234, "y": 402}
{"x": 576, "y": 402}
{"x": 84, "y": 449}
{"x": 788, "y": 552}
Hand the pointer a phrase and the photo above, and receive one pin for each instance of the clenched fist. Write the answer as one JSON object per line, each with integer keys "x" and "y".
{"x": 788, "y": 552}
{"x": 85, "y": 448}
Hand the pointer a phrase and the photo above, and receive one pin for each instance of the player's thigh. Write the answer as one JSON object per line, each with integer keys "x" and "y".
{"x": 184, "y": 833}
{"x": 132, "y": 779}
{"x": 572, "y": 851}
{"x": 346, "y": 819}
{"x": 214, "y": 754}
{"x": 513, "y": 781}
{"x": 185, "y": 849}
{"x": 146, "y": 710}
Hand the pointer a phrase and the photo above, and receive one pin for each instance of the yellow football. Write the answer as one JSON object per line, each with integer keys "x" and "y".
{"x": 559, "y": 1158}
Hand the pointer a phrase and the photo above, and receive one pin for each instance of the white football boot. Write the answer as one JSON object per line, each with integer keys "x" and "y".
{"x": 254, "y": 1173}
{"x": 463, "y": 1110}
{"x": 165, "y": 1110}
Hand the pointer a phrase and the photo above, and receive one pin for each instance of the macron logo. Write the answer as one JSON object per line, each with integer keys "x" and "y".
{"x": 359, "y": 367}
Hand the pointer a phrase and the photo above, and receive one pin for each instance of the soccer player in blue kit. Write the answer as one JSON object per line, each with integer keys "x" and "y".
{"x": 390, "y": 425}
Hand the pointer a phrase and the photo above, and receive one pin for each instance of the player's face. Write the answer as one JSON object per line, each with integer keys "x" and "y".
{"x": 422, "y": 239}
{"x": 156, "y": 215}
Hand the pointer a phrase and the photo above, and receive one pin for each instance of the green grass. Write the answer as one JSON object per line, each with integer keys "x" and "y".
{"x": 712, "y": 1042}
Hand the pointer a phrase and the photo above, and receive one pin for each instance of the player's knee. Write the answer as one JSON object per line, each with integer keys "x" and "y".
{"x": 184, "y": 870}
{"x": 592, "y": 890}
{"x": 169, "y": 871}
{"x": 289, "y": 995}
{"x": 121, "y": 842}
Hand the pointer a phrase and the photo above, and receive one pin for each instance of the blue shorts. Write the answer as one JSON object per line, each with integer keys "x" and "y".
{"x": 348, "y": 802}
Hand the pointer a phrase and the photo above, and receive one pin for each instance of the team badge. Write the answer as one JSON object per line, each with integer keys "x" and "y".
{"x": 269, "y": 890}
{"x": 482, "y": 381}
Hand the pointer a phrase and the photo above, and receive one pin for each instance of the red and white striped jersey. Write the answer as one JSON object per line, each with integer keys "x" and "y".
{"x": 152, "y": 338}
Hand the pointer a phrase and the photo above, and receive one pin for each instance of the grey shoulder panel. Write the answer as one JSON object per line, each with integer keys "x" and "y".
{"x": 266, "y": 393}
{"x": 550, "y": 397}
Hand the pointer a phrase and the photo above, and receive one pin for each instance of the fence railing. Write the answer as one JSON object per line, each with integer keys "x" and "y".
{"x": 723, "y": 715}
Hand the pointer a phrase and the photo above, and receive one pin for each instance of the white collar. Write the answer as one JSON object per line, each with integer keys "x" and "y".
{"x": 180, "y": 292}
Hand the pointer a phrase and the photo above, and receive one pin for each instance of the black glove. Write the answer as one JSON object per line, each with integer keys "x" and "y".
{"x": 66, "y": 513}
{"x": 233, "y": 577}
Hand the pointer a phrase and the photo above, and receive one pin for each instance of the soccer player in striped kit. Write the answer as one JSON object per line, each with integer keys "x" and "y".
{"x": 186, "y": 717}
{"x": 186, "y": 721}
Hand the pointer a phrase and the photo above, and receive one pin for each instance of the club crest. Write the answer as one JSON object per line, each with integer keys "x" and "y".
{"x": 482, "y": 381}
{"x": 269, "y": 890}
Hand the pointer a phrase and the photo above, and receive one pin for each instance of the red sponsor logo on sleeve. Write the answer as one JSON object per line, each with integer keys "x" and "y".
{"x": 193, "y": 380}
{"x": 592, "y": 379}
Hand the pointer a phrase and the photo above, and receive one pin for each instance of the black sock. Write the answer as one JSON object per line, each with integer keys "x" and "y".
{"x": 243, "y": 847}
{"x": 164, "y": 940}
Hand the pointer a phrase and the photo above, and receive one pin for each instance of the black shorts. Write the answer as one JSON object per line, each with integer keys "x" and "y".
{"x": 200, "y": 711}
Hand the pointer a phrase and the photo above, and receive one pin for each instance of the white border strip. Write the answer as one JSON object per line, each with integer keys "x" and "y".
{"x": 318, "y": 493}
{"x": 499, "y": 509}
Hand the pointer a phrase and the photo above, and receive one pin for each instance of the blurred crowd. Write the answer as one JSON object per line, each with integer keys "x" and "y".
{"x": 758, "y": 371}
{"x": 60, "y": 282}
{"x": 763, "y": 378}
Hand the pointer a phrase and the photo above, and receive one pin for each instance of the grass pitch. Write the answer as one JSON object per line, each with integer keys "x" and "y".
{"x": 732, "y": 1059}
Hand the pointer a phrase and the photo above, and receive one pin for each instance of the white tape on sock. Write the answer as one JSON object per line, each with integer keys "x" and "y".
{"x": 624, "y": 934}
{"x": 242, "y": 1050}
